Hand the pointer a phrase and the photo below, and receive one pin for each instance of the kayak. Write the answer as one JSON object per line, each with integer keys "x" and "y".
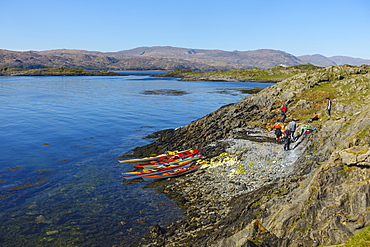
{"x": 161, "y": 157}
{"x": 139, "y": 174}
{"x": 164, "y": 164}
{"x": 143, "y": 159}
{"x": 169, "y": 164}
{"x": 175, "y": 173}
{"x": 170, "y": 158}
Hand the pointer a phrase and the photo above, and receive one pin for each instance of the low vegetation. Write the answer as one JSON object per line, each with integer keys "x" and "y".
{"x": 276, "y": 73}
{"x": 361, "y": 239}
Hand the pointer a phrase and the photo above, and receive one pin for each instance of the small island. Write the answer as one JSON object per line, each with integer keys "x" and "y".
{"x": 62, "y": 71}
{"x": 272, "y": 75}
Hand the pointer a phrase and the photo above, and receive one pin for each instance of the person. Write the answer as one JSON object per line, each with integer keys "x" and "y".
{"x": 283, "y": 110}
{"x": 328, "y": 107}
{"x": 292, "y": 127}
{"x": 278, "y": 132}
{"x": 314, "y": 118}
{"x": 286, "y": 139}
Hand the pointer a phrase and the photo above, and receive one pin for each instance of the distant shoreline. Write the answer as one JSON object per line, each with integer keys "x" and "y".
{"x": 55, "y": 72}
{"x": 273, "y": 75}
{"x": 214, "y": 78}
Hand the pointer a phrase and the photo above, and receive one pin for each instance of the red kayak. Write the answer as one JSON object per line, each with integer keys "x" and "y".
{"x": 174, "y": 173}
{"x": 171, "y": 158}
{"x": 147, "y": 172}
{"x": 174, "y": 162}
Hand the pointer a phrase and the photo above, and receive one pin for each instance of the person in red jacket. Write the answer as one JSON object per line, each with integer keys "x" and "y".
{"x": 283, "y": 110}
{"x": 314, "y": 118}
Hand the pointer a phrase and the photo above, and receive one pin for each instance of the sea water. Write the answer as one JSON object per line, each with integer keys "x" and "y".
{"x": 60, "y": 181}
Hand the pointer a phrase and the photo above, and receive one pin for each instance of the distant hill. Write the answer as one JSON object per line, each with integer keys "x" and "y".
{"x": 322, "y": 61}
{"x": 148, "y": 58}
{"x": 341, "y": 60}
{"x": 263, "y": 58}
{"x": 165, "y": 58}
{"x": 317, "y": 59}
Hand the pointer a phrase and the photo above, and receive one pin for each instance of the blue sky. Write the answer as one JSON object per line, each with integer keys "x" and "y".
{"x": 327, "y": 27}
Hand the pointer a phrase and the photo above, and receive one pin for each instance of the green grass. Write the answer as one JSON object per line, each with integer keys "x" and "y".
{"x": 319, "y": 93}
{"x": 272, "y": 77}
{"x": 361, "y": 239}
{"x": 354, "y": 92}
{"x": 276, "y": 72}
{"x": 365, "y": 132}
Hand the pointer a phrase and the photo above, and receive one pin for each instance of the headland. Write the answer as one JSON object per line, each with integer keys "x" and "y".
{"x": 251, "y": 192}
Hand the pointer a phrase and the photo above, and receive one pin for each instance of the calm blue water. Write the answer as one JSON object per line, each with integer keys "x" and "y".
{"x": 60, "y": 182}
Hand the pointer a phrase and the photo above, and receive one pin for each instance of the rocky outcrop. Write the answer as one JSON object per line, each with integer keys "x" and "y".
{"x": 258, "y": 195}
{"x": 357, "y": 155}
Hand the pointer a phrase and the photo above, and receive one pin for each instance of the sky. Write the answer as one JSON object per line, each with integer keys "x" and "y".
{"x": 326, "y": 27}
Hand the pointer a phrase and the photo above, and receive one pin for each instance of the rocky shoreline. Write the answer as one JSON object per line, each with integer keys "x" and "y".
{"x": 188, "y": 75}
{"x": 252, "y": 193}
{"x": 228, "y": 78}
{"x": 272, "y": 75}
{"x": 208, "y": 196}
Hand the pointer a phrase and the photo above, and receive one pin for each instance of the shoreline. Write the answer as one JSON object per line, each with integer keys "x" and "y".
{"x": 307, "y": 199}
{"x": 230, "y": 79}
{"x": 55, "y": 72}
{"x": 210, "y": 194}
{"x": 272, "y": 75}
{"x": 186, "y": 76}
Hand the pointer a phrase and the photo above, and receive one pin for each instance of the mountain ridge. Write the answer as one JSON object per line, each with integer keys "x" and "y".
{"x": 323, "y": 61}
{"x": 165, "y": 58}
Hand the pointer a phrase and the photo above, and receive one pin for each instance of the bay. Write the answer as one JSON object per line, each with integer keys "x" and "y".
{"x": 60, "y": 182}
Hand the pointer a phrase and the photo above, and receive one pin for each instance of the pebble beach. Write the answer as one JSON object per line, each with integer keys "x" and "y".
{"x": 253, "y": 159}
